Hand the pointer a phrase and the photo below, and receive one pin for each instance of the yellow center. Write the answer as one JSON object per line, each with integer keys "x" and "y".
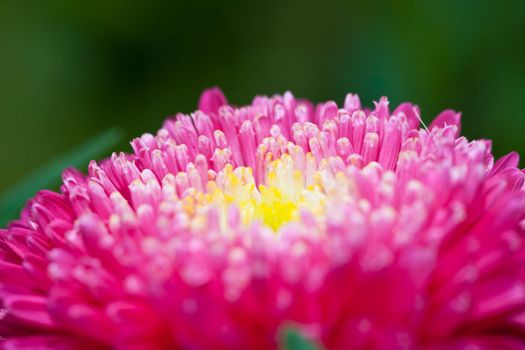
{"x": 273, "y": 204}
{"x": 273, "y": 209}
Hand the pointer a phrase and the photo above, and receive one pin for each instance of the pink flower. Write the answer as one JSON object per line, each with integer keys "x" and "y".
{"x": 357, "y": 226}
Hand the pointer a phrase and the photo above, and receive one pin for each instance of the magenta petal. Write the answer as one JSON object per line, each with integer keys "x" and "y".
{"x": 510, "y": 160}
{"x": 352, "y": 102}
{"x": 411, "y": 113}
{"x": 211, "y": 100}
{"x": 44, "y": 342}
{"x": 447, "y": 117}
{"x": 28, "y": 309}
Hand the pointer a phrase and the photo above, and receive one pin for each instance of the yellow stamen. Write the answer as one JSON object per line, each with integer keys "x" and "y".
{"x": 274, "y": 204}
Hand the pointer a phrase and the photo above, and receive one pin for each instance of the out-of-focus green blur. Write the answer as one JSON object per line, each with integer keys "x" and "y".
{"x": 69, "y": 69}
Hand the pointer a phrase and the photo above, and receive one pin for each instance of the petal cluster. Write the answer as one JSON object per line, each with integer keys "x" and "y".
{"x": 354, "y": 225}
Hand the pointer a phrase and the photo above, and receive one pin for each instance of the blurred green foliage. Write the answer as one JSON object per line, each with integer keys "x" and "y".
{"x": 293, "y": 340}
{"x": 69, "y": 70}
{"x": 48, "y": 175}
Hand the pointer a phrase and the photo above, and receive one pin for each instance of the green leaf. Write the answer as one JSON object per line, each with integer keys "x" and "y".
{"x": 292, "y": 340}
{"x": 13, "y": 200}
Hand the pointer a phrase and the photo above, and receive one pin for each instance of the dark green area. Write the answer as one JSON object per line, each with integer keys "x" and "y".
{"x": 48, "y": 175}
{"x": 70, "y": 70}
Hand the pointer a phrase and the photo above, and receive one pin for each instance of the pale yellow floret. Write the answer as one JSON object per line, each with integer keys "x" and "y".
{"x": 276, "y": 202}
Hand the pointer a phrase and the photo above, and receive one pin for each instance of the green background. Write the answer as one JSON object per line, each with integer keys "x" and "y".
{"x": 71, "y": 69}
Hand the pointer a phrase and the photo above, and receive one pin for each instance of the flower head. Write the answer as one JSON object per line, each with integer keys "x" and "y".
{"x": 355, "y": 225}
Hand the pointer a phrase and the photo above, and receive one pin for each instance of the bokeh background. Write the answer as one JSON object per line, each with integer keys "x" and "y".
{"x": 69, "y": 70}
